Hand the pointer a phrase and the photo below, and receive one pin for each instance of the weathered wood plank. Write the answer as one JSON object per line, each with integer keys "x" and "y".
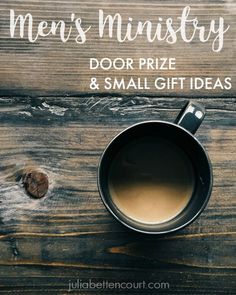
{"x": 47, "y": 243}
{"x": 102, "y": 110}
{"x": 174, "y": 260}
{"x": 48, "y": 119}
{"x": 51, "y": 67}
{"x": 62, "y": 138}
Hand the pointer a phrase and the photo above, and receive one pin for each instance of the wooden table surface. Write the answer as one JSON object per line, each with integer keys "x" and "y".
{"x": 50, "y": 119}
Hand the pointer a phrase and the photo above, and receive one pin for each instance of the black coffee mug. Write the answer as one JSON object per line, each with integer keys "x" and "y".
{"x": 181, "y": 133}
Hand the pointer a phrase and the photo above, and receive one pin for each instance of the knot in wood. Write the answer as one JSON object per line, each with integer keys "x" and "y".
{"x": 36, "y": 183}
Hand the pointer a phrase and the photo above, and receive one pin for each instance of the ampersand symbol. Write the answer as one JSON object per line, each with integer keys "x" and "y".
{"x": 94, "y": 85}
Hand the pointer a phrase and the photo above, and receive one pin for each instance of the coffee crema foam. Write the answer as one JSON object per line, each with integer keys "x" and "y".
{"x": 151, "y": 180}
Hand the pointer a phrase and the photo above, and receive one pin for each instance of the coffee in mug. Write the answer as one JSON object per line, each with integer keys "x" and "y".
{"x": 155, "y": 177}
{"x": 151, "y": 180}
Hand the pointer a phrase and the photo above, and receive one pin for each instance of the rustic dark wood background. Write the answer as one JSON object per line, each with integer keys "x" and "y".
{"x": 49, "y": 119}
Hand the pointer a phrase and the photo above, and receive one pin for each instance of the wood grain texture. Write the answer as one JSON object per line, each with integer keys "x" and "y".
{"x": 69, "y": 234}
{"x": 49, "y": 119}
{"x": 51, "y": 67}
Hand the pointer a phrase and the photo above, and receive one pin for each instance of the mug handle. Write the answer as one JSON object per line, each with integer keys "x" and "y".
{"x": 191, "y": 116}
